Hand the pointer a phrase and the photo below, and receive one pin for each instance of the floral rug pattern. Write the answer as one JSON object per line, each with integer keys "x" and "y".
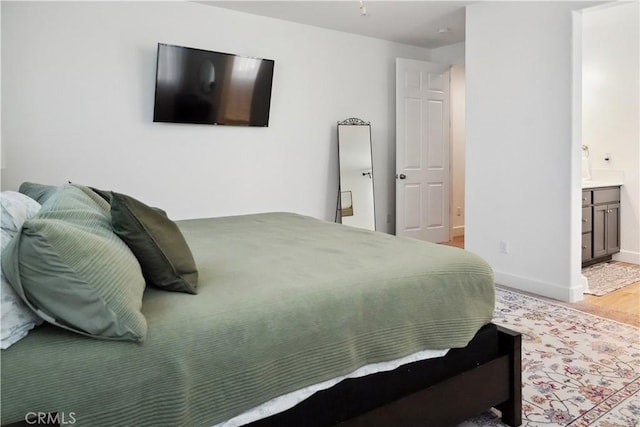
{"x": 577, "y": 369}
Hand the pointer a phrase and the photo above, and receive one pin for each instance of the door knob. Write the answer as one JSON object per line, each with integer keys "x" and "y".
{"x": 401, "y": 176}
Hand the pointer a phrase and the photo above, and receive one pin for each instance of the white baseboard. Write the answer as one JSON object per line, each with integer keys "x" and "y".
{"x": 546, "y": 289}
{"x": 627, "y": 256}
{"x": 457, "y": 231}
{"x": 585, "y": 283}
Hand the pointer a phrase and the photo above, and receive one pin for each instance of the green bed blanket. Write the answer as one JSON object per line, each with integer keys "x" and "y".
{"x": 284, "y": 301}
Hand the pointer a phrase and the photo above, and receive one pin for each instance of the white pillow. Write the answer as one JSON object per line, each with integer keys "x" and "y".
{"x": 17, "y": 319}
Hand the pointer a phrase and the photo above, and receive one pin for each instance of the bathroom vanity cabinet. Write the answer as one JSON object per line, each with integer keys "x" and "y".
{"x": 600, "y": 224}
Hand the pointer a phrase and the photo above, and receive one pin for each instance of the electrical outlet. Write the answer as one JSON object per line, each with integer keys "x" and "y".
{"x": 504, "y": 247}
{"x": 459, "y": 211}
{"x": 388, "y": 218}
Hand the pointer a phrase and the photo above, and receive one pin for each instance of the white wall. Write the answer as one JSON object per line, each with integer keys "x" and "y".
{"x": 610, "y": 107}
{"x": 457, "y": 149}
{"x": 450, "y": 54}
{"x": 77, "y": 104}
{"x": 520, "y": 180}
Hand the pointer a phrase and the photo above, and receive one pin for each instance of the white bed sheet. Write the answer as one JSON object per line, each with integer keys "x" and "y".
{"x": 286, "y": 401}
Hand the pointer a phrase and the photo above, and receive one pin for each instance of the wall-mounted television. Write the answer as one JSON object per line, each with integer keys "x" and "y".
{"x": 216, "y": 88}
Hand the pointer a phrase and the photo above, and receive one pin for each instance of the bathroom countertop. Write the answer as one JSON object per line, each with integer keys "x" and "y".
{"x": 601, "y": 183}
{"x": 603, "y": 178}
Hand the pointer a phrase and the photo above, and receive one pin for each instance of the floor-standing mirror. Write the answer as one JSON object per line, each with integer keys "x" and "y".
{"x": 355, "y": 201}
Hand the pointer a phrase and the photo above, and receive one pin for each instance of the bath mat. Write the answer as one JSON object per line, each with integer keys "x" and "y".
{"x": 609, "y": 276}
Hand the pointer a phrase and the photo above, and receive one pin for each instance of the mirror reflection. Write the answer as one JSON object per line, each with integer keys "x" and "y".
{"x": 356, "y": 202}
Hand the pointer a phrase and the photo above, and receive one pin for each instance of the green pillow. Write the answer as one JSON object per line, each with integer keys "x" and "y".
{"x": 38, "y": 192}
{"x": 163, "y": 253}
{"x": 74, "y": 272}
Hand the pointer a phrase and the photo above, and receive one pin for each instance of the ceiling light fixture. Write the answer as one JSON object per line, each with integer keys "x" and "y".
{"x": 363, "y": 8}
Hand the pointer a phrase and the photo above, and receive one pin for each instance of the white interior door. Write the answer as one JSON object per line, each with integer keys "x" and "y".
{"x": 422, "y": 150}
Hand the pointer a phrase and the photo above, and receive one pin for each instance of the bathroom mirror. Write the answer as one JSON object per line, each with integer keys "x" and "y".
{"x": 355, "y": 196}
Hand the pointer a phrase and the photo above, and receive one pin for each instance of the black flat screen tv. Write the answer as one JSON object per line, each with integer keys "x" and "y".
{"x": 206, "y": 87}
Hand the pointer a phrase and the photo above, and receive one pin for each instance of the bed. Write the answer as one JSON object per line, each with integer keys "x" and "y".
{"x": 284, "y": 303}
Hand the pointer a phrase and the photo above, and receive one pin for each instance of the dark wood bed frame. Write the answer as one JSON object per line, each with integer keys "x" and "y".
{"x": 437, "y": 392}
{"x": 430, "y": 393}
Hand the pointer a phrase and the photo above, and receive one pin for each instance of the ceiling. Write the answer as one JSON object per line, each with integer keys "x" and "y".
{"x": 428, "y": 24}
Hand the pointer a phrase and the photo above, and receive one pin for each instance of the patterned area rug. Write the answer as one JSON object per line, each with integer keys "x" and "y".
{"x": 577, "y": 369}
{"x": 607, "y": 277}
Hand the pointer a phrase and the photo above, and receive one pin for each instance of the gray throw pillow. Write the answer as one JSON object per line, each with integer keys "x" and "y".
{"x": 38, "y": 192}
{"x": 71, "y": 269}
{"x": 163, "y": 253}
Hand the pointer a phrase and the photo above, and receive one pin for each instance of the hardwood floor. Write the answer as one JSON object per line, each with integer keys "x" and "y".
{"x": 457, "y": 241}
{"x": 622, "y": 305}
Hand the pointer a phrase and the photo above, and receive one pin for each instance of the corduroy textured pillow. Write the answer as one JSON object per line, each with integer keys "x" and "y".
{"x": 163, "y": 253}
{"x": 74, "y": 272}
